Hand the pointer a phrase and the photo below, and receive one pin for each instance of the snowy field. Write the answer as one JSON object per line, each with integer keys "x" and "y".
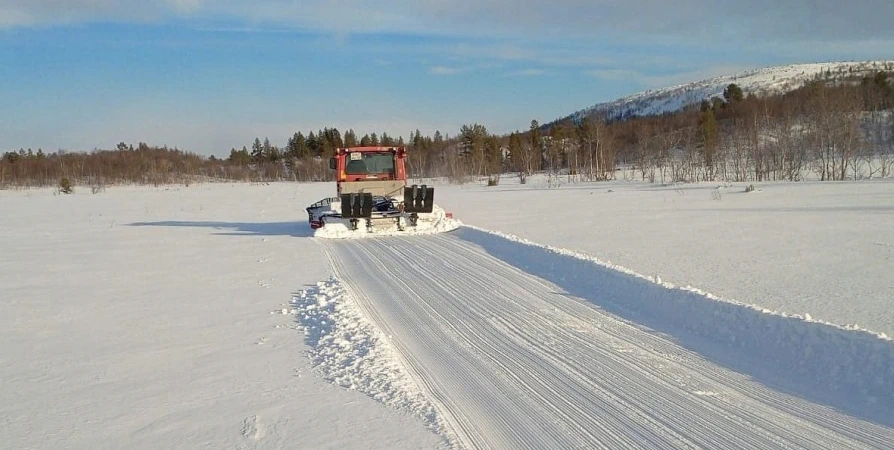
{"x": 209, "y": 317}
{"x": 169, "y": 335}
{"x": 819, "y": 248}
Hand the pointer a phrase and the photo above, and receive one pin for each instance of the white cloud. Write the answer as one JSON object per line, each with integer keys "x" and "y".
{"x": 13, "y": 17}
{"x": 444, "y": 70}
{"x": 650, "y": 81}
{"x": 615, "y": 74}
{"x": 704, "y": 21}
{"x": 453, "y": 70}
{"x": 527, "y": 72}
{"x": 186, "y": 6}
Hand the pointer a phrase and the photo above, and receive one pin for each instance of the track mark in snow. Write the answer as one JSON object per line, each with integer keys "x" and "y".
{"x": 252, "y": 429}
{"x": 511, "y": 360}
{"x": 842, "y": 366}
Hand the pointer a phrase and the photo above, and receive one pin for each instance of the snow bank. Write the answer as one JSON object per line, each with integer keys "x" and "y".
{"x": 437, "y": 221}
{"x": 352, "y": 353}
{"x": 845, "y": 365}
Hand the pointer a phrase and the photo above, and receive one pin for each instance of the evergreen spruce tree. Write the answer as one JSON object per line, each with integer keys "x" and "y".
{"x": 313, "y": 144}
{"x": 257, "y": 150}
{"x": 733, "y": 93}
{"x": 350, "y": 138}
{"x": 303, "y": 151}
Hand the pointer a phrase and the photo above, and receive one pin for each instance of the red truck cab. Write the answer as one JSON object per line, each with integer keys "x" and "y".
{"x": 368, "y": 164}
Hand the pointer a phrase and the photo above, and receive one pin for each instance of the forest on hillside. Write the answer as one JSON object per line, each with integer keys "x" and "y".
{"x": 836, "y": 128}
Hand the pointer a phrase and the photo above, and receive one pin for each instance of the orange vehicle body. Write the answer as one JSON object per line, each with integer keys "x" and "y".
{"x": 371, "y": 184}
{"x": 349, "y": 167}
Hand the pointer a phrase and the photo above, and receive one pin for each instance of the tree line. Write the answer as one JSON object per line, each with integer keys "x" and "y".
{"x": 835, "y": 127}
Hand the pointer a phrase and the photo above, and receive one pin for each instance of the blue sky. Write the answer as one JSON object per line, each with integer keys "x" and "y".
{"x": 208, "y": 75}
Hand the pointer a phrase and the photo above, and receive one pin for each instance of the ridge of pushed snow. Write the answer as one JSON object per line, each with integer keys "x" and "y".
{"x": 350, "y": 352}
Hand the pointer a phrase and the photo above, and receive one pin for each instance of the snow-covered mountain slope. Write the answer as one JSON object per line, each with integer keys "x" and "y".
{"x": 768, "y": 80}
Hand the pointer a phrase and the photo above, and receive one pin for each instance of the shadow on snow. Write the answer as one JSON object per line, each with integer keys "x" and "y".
{"x": 852, "y": 371}
{"x": 295, "y": 229}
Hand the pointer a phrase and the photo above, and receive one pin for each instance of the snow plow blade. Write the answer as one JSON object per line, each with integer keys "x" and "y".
{"x": 356, "y": 205}
{"x": 419, "y": 199}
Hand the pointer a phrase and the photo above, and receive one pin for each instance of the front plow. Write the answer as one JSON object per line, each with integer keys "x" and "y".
{"x": 361, "y": 214}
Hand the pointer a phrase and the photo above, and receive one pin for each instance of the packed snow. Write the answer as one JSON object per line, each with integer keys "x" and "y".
{"x": 822, "y": 357}
{"x": 617, "y": 314}
{"x": 505, "y": 337}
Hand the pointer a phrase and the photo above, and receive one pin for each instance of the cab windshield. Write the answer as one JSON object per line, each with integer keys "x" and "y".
{"x": 362, "y": 163}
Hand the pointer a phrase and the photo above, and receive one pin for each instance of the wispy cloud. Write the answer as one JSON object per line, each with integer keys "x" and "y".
{"x": 615, "y": 74}
{"x": 457, "y": 69}
{"x": 12, "y": 17}
{"x": 527, "y": 73}
{"x": 695, "y": 20}
{"x": 444, "y": 70}
{"x": 654, "y": 80}
{"x": 186, "y": 6}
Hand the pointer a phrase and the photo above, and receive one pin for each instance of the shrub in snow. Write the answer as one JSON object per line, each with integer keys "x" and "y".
{"x": 65, "y": 186}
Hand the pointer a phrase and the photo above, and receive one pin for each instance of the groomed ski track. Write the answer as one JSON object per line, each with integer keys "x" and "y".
{"x": 511, "y": 360}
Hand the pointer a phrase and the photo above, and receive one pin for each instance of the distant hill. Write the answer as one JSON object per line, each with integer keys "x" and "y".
{"x": 769, "y": 80}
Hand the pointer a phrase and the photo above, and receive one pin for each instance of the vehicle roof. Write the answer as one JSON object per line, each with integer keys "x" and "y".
{"x": 370, "y": 149}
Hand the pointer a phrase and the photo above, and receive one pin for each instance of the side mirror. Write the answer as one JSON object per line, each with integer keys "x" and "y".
{"x": 332, "y": 163}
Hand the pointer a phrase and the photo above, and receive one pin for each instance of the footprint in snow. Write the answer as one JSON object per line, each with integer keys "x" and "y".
{"x": 251, "y": 428}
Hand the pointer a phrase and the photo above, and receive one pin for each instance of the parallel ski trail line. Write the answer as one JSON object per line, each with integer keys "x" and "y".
{"x": 470, "y": 338}
{"x": 622, "y": 407}
{"x": 807, "y": 435}
{"x": 611, "y": 407}
{"x": 509, "y": 360}
{"x": 703, "y": 375}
